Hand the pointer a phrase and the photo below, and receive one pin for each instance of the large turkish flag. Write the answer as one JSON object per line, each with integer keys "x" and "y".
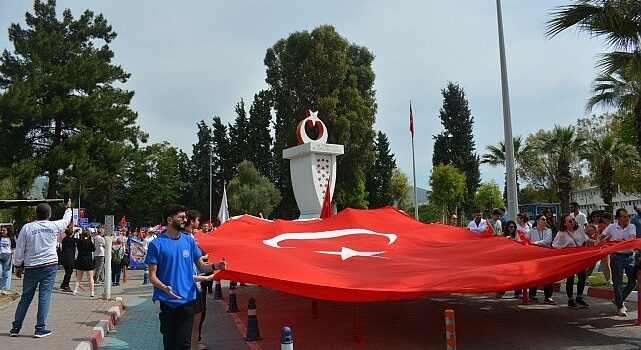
{"x": 383, "y": 254}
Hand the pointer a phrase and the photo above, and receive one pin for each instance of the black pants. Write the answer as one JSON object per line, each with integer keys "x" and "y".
{"x": 67, "y": 278}
{"x": 580, "y": 284}
{"x": 203, "y": 300}
{"x": 548, "y": 289}
{"x": 176, "y": 325}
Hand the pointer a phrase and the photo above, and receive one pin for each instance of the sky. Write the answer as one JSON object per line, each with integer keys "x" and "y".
{"x": 193, "y": 60}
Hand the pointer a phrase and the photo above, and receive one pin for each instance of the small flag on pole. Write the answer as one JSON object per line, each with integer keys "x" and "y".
{"x": 223, "y": 212}
{"x": 122, "y": 222}
{"x": 411, "y": 120}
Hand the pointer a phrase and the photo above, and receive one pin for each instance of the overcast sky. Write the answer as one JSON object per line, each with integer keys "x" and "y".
{"x": 192, "y": 60}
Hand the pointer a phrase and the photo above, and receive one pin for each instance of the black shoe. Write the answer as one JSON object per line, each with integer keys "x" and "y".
{"x": 549, "y": 301}
{"x": 572, "y": 304}
{"x": 42, "y": 333}
{"x": 67, "y": 289}
{"x": 581, "y": 302}
{"x": 533, "y": 299}
{"x": 14, "y": 332}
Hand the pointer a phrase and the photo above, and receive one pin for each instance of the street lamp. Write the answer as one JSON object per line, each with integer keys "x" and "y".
{"x": 210, "y": 177}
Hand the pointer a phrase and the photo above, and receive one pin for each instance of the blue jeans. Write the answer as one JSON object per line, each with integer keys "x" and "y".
{"x": 43, "y": 278}
{"x": 619, "y": 264}
{"x": 5, "y": 272}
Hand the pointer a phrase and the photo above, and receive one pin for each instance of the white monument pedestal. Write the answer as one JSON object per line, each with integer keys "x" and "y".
{"x": 311, "y": 166}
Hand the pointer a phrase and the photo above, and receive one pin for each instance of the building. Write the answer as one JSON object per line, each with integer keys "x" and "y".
{"x": 589, "y": 199}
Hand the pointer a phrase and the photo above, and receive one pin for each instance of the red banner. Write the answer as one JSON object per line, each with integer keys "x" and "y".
{"x": 383, "y": 254}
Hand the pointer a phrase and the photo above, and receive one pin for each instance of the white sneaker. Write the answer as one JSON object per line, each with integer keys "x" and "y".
{"x": 622, "y": 312}
{"x": 3, "y": 292}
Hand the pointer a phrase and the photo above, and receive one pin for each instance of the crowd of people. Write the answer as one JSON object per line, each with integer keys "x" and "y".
{"x": 573, "y": 229}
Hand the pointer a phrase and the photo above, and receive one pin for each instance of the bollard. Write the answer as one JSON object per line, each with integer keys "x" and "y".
{"x": 253, "y": 333}
{"x": 233, "y": 303}
{"x": 286, "y": 340}
{"x": 526, "y": 297}
{"x": 218, "y": 291}
{"x": 450, "y": 330}
{"x": 638, "y": 297}
{"x": 145, "y": 276}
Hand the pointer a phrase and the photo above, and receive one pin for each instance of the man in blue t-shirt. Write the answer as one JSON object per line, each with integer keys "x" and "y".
{"x": 171, "y": 259}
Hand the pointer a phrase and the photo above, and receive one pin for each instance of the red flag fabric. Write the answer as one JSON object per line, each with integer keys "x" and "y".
{"x": 489, "y": 230}
{"x": 411, "y": 120}
{"x": 523, "y": 237}
{"x": 326, "y": 210}
{"x": 122, "y": 222}
{"x": 383, "y": 254}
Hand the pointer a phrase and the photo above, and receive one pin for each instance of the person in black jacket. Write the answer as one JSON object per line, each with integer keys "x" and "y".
{"x": 67, "y": 255}
{"x": 84, "y": 261}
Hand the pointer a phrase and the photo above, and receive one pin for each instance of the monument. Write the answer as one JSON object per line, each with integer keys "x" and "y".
{"x": 312, "y": 166}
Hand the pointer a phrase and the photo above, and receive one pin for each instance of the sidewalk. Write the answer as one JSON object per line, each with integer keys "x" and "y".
{"x": 70, "y": 318}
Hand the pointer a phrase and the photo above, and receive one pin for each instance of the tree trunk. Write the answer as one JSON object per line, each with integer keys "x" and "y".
{"x": 607, "y": 185}
{"x": 565, "y": 184}
{"x": 52, "y": 189}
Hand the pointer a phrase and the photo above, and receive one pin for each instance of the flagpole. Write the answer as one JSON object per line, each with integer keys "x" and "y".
{"x": 413, "y": 164}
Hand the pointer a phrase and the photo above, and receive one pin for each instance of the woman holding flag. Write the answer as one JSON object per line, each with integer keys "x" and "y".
{"x": 572, "y": 235}
{"x": 541, "y": 235}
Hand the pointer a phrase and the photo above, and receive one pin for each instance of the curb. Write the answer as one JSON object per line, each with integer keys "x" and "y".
{"x": 103, "y": 327}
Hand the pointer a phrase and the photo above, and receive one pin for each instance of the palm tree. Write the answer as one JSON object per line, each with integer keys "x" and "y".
{"x": 619, "y": 23}
{"x": 495, "y": 157}
{"x": 563, "y": 143}
{"x": 604, "y": 154}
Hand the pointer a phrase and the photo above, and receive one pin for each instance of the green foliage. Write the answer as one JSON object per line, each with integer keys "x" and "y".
{"x": 202, "y": 153}
{"x": 448, "y": 188}
{"x": 488, "y": 196}
{"x": 251, "y": 192}
{"x": 260, "y": 139}
{"x": 322, "y": 71}
{"x": 62, "y": 106}
{"x": 239, "y": 137}
{"x": 530, "y": 195}
{"x": 153, "y": 181}
{"x": 221, "y": 162}
{"x": 399, "y": 189}
{"x": 455, "y": 145}
{"x": 379, "y": 177}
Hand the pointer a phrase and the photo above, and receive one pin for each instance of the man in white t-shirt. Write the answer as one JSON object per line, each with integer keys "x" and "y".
{"x": 479, "y": 224}
{"x": 99, "y": 255}
{"x": 580, "y": 218}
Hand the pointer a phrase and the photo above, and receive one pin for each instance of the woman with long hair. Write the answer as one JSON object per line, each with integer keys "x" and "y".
{"x": 84, "y": 263}
{"x": 572, "y": 235}
{"x": 7, "y": 245}
{"x": 68, "y": 252}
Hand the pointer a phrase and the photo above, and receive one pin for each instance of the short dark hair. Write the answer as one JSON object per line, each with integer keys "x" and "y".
{"x": 496, "y": 212}
{"x": 171, "y": 210}
{"x": 575, "y": 204}
{"x": 606, "y": 216}
{"x": 476, "y": 211}
{"x": 192, "y": 215}
{"x": 619, "y": 211}
{"x": 43, "y": 211}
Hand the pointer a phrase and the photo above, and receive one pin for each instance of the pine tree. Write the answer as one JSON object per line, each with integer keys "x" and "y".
{"x": 199, "y": 168}
{"x": 260, "y": 139}
{"x": 62, "y": 102}
{"x": 222, "y": 163}
{"x": 239, "y": 137}
{"x": 455, "y": 145}
{"x": 379, "y": 177}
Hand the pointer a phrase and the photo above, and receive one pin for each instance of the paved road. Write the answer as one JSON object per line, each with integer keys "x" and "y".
{"x": 482, "y": 322}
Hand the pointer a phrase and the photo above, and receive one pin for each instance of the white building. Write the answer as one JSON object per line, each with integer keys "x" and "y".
{"x": 589, "y": 199}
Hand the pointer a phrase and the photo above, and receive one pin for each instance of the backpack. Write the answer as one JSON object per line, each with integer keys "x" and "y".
{"x": 116, "y": 255}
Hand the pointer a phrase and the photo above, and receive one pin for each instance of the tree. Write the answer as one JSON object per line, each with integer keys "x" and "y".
{"x": 260, "y": 139}
{"x": 222, "y": 164}
{"x": 618, "y": 23}
{"x": 496, "y": 157}
{"x": 605, "y": 155}
{"x": 379, "y": 177}
{"x": 399, "y": 189}
{"x": 488, "y": 196}
{"x": 322, "y": 71}
{"x": 448, "y": 188}
{"x": 239, "y": 137}
{"x": 251, "y": 192}
{"x": 62, "y": 104}
{"x": 455, "y": 145}
{"x": 202, "y": 152}
{"x": 563, "y": 143}
{"x": 153, "y": 181}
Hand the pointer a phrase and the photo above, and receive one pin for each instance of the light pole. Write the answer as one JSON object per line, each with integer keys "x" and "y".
{"x": 512, "y": 201}
{"x": 210, "y": 176}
